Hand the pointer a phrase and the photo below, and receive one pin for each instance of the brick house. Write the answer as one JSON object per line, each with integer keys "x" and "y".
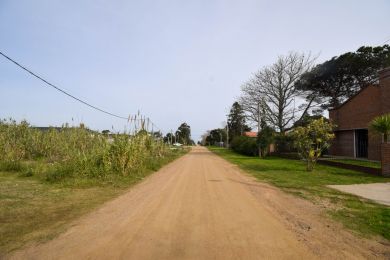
{"x": 353, "y": 136}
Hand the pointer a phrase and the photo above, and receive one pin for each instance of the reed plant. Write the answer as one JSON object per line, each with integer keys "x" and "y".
{"x": 76, "y": 152}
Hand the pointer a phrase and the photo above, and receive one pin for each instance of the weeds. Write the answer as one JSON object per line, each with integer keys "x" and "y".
{"x": 75, "y": 152}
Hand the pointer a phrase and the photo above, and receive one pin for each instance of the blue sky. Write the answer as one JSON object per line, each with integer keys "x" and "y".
{"x": 174, "y": 61}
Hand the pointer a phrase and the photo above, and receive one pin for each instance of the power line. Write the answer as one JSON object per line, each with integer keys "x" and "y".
{"x": 386, "y": 41}
{"x": 59, "y": 89}
{"x": 73, "y": 97}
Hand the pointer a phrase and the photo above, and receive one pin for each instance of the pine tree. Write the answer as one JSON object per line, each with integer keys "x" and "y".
{"x": 236, "y": 121}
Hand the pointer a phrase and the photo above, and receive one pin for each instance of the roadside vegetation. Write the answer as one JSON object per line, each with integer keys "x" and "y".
{"x": 311, "y": 140}
{"x": 50, "y": 177}
{"x": 364, "y": 216}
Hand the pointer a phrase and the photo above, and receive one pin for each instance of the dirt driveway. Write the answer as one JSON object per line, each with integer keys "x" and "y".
{"x": 202, "y": 207}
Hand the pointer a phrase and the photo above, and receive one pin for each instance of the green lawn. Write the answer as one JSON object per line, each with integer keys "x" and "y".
{"x": 32, "y": 209}
{"x": 365, "y": 163}
{"x": 366, "y": 217}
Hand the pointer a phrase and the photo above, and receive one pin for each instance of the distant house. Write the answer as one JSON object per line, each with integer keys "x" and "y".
{"x": 353, "y": 136}
{"x": 250, "y": 134}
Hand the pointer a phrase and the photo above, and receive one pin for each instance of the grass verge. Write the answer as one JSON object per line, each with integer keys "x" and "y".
{"x": 364, "y": 163}
{"x": 35, "y": 210}
{"x": 365, "y": 217}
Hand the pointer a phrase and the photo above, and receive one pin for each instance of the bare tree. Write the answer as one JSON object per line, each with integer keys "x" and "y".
{"x": 270, "y": 95}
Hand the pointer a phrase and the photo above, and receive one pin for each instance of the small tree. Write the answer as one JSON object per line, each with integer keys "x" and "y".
{"x": 312, "y": 140}
{"x": 264, "y": 139}
{"x": 381, "y": 124}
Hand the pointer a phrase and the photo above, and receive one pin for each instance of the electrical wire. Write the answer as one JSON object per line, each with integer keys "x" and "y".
{"x": 59, "y": 89}
{"x": 68, "y": 94}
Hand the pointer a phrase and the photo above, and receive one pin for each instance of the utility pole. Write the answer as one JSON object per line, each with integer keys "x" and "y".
{"x": 258, "y": 117}
{"x": 227, "y": 132}
{"x": 258, "y": 124}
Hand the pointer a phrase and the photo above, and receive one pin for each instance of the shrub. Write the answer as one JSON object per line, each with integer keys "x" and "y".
{"x": 381, "y": 124}
{"x": 265, "y": 139}
{"x": 244, "y": 145}
{"x": 76, "y": 151}
{"x": 312, "y": 140}
{"x": 284, "y": 143}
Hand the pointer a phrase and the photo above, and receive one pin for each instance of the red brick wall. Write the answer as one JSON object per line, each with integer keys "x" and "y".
{"x": 386, "y": 159}
{"x": 358, "y": 112}
{"x": 374, "y": 146}
{"x": 343, "y": 144}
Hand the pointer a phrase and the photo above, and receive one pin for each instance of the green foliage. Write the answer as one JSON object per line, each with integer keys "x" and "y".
{"x": 284, "y": 143}
{"x": 183, "y": 134}
{"x": 306, "y": 119}
{"x": 341, "y": 77}
{"x": 244, "y": 145}
{"x": 264, "y": 139}
{"x": 15, "y": 141}
{"x": 71, "y": 152}
{"x": 312, "y": 140}
{"x": 216, "y": 136}
{"x": 236, "y": 121}
{"x": 381, "y": 124}
{"x": 11, "y": 166}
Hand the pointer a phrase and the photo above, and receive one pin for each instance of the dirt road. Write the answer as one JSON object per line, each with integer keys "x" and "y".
{"x": 202, "y": 207}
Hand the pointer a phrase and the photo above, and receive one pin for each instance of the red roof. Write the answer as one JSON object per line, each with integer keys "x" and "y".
{"x": 250, "y": 134}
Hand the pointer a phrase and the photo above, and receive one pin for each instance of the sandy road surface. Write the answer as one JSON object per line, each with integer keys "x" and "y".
{"x": 200, "y": 207}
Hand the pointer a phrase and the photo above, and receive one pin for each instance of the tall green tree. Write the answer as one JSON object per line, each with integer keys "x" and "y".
{"x": 236, "y": 121}
{"x": 216, "y": 136}
{"x": 183, "y": 134}
{"x": 169, "y": 138}
{"x": 341, "y": 77}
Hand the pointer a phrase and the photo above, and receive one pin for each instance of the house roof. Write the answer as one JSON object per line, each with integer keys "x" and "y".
{"x": 250, "y": 134}
{"x": 356, "y": 94}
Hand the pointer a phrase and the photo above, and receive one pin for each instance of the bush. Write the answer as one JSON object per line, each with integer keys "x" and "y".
{"x": 244, "y": 145}
{"x": 264, "y": 139}
{"x": 78, "y": 152}
{"x": 284, "y": 143}
{"x": 312, "y": 140}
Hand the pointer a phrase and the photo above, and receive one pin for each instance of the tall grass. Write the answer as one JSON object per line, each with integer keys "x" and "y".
{"x": 75, "y": 151}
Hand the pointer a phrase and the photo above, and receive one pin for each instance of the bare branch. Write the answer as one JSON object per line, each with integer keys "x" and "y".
{"x": 273, "y": 88}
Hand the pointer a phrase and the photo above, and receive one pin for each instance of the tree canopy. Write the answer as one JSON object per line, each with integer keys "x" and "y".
{"x": 216, "y": 136}
{"x": 183, "y": 134}
{"x": 270, "y": 94}
{"x": 341, "y": 77}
